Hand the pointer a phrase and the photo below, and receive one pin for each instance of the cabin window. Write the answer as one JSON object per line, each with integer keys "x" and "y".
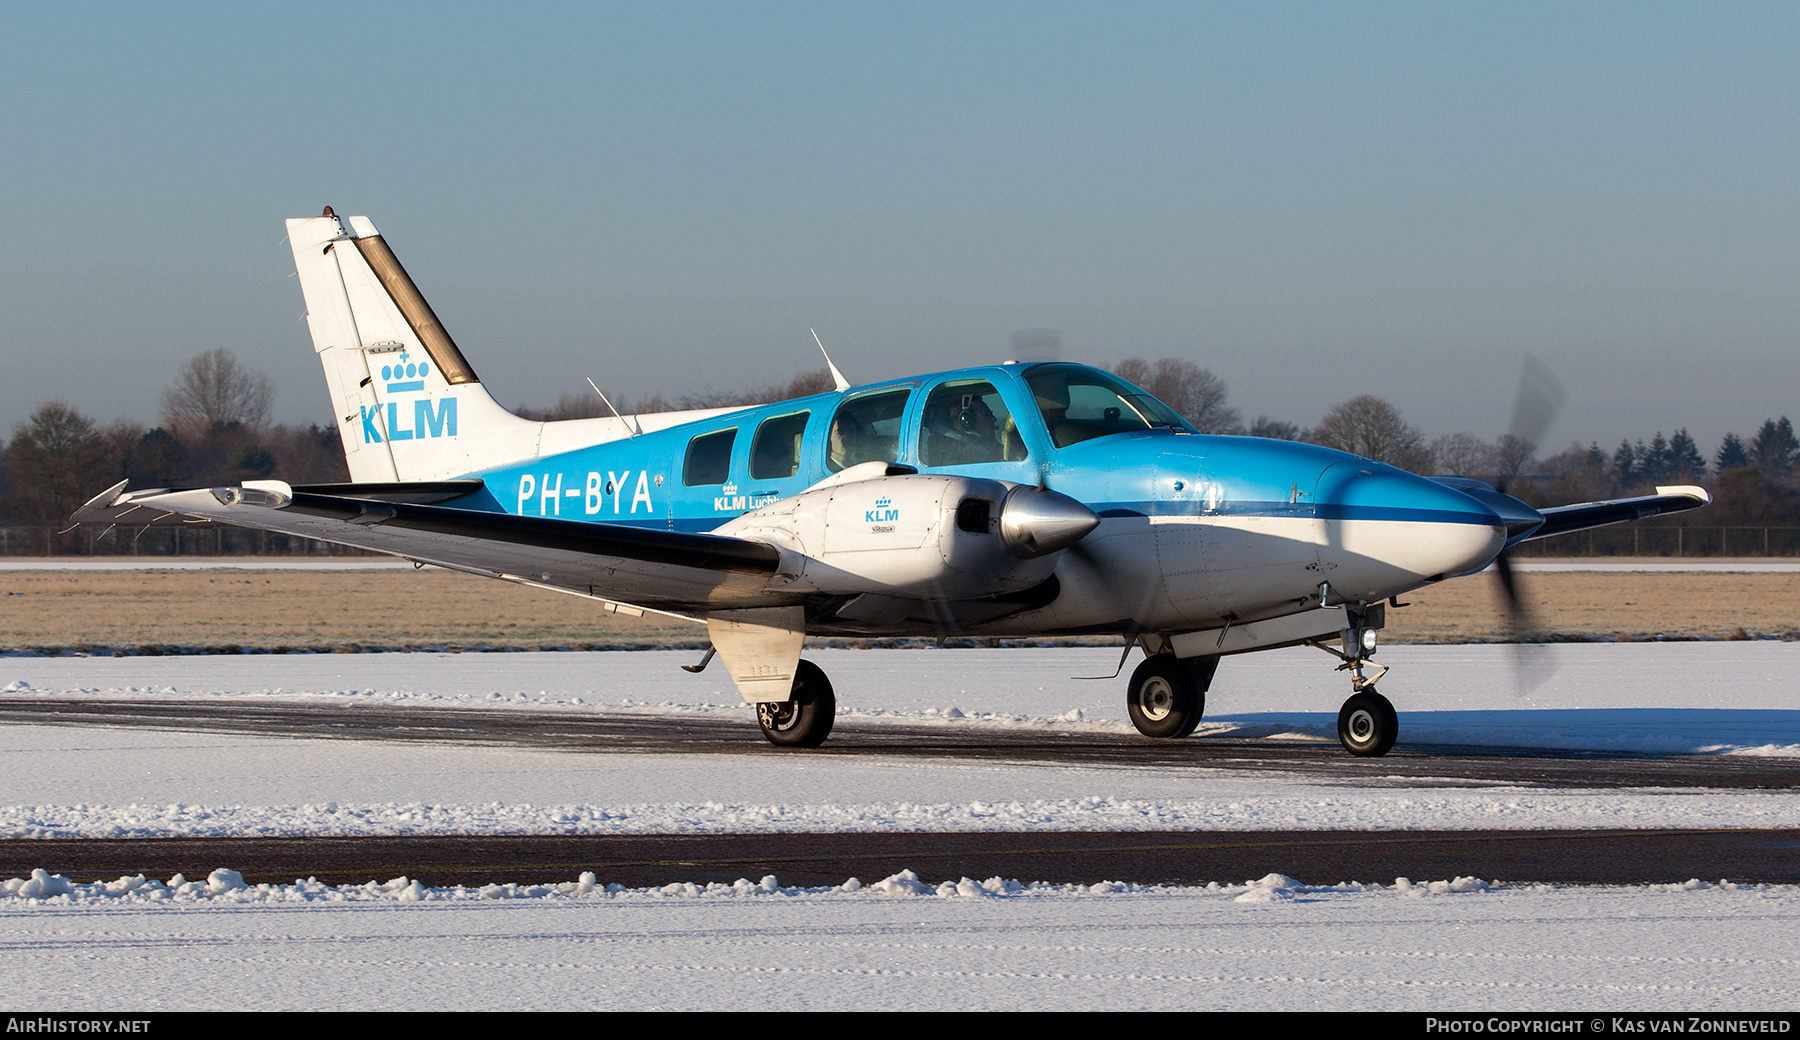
{"x": 775, "y": 450}
{"x": 1080, "y": 403}
{"x": 866, "y": 429}
{"x": 967, "y": 423}
{"x": 709, "y": 458}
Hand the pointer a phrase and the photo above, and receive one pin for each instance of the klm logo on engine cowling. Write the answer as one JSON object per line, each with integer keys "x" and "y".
{"x": 430, "y": 419}
{"x": 884, "y": 512}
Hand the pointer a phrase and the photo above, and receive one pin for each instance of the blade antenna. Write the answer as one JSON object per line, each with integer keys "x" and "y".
{"x": 615, "y": 411}
{"x": 836, "y": 376}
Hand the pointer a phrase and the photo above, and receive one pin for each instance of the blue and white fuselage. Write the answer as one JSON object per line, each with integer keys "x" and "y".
{"x": 1195, "y": 530}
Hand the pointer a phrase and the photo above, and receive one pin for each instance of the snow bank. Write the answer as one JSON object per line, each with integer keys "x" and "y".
{"x": 225, "y": 886}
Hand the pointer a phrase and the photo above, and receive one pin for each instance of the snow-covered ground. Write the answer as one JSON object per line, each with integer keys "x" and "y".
{"x": 1702, "y": 698}
{"x": 892, "y": 943}
{"x": 897, "y": 944}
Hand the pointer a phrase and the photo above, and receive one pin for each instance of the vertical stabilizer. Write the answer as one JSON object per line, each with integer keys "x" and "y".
{"x": 408, "y": 404}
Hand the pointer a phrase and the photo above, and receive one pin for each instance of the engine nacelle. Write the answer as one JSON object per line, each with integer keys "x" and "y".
{"x": 868, "y": 530}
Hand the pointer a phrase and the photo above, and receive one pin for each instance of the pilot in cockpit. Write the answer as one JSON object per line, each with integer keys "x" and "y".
{"x": 960, "y": 429}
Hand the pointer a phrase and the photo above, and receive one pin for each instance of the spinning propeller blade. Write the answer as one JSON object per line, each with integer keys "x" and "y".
{"x": 1540, "y": 398}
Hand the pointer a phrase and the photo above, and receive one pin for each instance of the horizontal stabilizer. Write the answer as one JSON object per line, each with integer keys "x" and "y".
{"x": 1565, "y": 519}
{"x": 114, "y": 506}
{"x": 668, "y": 571}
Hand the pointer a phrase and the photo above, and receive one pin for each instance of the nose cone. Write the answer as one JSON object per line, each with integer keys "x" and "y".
{"x": 1037, "y": 521}
{"x": 1386, "y": 527}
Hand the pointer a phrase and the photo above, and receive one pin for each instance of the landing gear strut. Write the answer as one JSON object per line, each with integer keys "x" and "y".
{"x": 1167, "y": 694}
{"x": 1367, "y": 724}
{"x": 805, "y": 718}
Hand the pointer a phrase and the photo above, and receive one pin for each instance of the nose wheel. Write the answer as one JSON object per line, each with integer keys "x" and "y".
{"x": 1367, "y": 724}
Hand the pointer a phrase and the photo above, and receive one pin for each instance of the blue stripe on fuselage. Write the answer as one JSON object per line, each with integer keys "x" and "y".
{"x": 1322, "y": 511}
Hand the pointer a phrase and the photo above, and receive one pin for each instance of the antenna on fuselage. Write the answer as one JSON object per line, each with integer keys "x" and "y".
{"x": 836, "y": 376}
{"x": 615, "y": 411}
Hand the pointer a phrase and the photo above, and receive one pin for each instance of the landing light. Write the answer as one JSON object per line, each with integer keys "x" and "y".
{"x": 1368, "y": 640}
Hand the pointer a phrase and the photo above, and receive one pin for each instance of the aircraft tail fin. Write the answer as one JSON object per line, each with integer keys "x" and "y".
{"x": 408, "y": 403}
{"x": 409, "y": 406}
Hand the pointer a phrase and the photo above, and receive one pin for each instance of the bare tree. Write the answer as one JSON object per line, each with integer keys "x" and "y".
{"x": 1277, "y": 429}
{"x": 214, "y": 390}
{"x": 1578, "y": 475}
{"x": 1513, "y": 456}
{"x": 57, "y": 460}
{"x": 586, "y": 405}
{"x": 805, "y": 384}
{"x": 1373, "y": 428}
{"x": 308, "y": 454}
{"x": 1194, "y": 392}
{"x": 1462, "y": 455}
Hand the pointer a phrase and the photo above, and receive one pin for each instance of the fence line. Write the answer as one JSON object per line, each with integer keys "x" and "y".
{"x": 164, "y": 540}
{"x": 1661, "y": 540}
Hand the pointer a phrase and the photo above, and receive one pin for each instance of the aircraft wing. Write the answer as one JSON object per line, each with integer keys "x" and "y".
{"x": 665, "y": 571}
{"x": 1564, "y": 519}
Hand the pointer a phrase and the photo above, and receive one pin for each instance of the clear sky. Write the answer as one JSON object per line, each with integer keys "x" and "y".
{"x": 1315, "y": 201}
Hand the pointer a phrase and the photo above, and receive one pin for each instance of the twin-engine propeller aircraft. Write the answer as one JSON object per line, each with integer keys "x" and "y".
{"x": 1006, "y": 500}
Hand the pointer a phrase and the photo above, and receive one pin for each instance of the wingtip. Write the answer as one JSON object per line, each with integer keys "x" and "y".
{"x": 94, "y": 507}
{"x": 1689, "y": 491}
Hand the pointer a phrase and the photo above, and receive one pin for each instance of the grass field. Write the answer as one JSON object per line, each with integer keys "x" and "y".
{"x": 394, "y": 608}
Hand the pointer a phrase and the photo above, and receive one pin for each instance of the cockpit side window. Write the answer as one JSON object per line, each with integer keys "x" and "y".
{"x": 866, "y": 429}
{"x": 775, "y": 450}
{"x": 1080, "y": 403}
{"x": 966, "y": 423}
{"x": 709, "y": 458}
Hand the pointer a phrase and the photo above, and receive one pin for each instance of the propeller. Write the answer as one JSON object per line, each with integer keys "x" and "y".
{"x": 1541, "y": 396}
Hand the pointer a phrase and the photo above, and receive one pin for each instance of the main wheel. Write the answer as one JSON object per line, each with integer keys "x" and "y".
{"x": 805, "y": 718}
{"x": 1166, "y": 697}
{"x": 1367, "y": 724}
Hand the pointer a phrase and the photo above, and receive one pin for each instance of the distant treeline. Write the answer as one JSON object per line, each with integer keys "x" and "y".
{"x": 214, "y": 430}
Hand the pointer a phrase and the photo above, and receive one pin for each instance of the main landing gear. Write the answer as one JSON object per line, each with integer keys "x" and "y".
{"x": 1167, "y": 695}
{"x": 805, "y": 718}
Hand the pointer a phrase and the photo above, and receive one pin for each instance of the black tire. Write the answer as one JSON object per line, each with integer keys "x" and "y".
{"x": 1166, "y": 697}
{"x": 1367, "y": 724}
{"x": 805, "y": 718}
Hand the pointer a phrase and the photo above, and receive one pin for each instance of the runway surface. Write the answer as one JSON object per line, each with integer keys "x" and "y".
{"x": 694, "y": 733}
{"x": 1185, "y": 857}
{"x": 1068, "y": 857}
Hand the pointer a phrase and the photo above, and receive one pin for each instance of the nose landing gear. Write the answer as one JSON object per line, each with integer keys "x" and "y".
{"x": 1367, "y": 723}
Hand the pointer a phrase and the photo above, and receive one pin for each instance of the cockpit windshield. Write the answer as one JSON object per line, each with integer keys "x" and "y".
{"x": 1080, "y": 403}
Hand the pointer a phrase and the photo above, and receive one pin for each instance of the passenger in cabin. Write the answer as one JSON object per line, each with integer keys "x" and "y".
{"x": 845, "y": 442}
{"x": 959, "y": 428}
{"x": 866, "y": 429}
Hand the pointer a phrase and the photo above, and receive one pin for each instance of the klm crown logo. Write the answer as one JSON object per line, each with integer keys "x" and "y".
{"x": 404, "y": 375}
